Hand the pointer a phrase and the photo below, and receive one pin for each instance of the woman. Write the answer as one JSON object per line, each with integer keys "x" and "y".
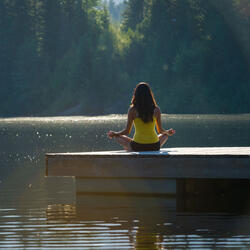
{"x": 145, "y": 115}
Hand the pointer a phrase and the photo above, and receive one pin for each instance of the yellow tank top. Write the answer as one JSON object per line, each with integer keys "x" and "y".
{"x": 145, "y": 132}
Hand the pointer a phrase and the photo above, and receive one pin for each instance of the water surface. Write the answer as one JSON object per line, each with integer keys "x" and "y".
{"x": 39, "y": 213}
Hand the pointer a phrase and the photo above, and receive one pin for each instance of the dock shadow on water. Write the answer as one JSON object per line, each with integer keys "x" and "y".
{"x": 45, "y": 213}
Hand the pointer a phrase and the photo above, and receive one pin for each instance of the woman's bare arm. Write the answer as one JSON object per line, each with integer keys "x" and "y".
{"x": 128, "y": 128}
{"x": 159, "y": 127}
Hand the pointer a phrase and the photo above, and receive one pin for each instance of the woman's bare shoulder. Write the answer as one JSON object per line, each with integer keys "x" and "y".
{"x": 157, "y": 111}
{"x": 132, "y": 111}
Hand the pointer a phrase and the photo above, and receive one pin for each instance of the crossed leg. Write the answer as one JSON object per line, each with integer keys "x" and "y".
{"x": 125, "y": 141}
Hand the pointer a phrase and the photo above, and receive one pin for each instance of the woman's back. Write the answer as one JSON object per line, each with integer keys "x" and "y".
{"x": 145, "y": 131}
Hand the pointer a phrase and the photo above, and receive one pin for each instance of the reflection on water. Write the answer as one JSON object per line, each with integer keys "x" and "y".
{"x": 40, "y": 213}
{"x": 62, "y": 226}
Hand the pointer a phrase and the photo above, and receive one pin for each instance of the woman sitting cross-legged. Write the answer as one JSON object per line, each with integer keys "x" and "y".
{"x": 145, "y": 115}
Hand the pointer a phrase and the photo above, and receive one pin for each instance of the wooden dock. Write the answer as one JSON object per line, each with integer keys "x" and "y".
{"x": 148, "y": 172}
{"x": 215, "y": 162}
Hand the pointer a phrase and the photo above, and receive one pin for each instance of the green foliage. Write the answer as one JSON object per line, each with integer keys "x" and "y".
{"x": 60, "y": 54}
{"x": 190, "y": 53}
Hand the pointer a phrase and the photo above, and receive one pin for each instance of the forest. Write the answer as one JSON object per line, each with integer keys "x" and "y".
{"x": 79, "y": 57}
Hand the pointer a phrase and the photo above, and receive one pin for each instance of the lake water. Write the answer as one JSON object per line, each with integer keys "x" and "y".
{"x": 44, "y": 213}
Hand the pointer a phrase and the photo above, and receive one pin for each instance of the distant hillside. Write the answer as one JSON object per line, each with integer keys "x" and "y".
{"x": 85, "y": 57}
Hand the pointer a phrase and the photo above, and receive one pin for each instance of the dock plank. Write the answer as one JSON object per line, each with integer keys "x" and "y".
{"x": 199, "y": 162}
{"x": 192, "y": 151}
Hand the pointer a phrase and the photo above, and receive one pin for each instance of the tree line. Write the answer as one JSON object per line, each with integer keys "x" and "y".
{"x": 70, "y": 55}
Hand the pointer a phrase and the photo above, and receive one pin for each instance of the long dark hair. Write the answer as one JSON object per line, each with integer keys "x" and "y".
{"x": 143, "y": 101}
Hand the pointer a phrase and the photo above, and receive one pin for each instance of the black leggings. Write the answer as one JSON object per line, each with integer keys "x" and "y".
{"x": 145, "y": 147}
